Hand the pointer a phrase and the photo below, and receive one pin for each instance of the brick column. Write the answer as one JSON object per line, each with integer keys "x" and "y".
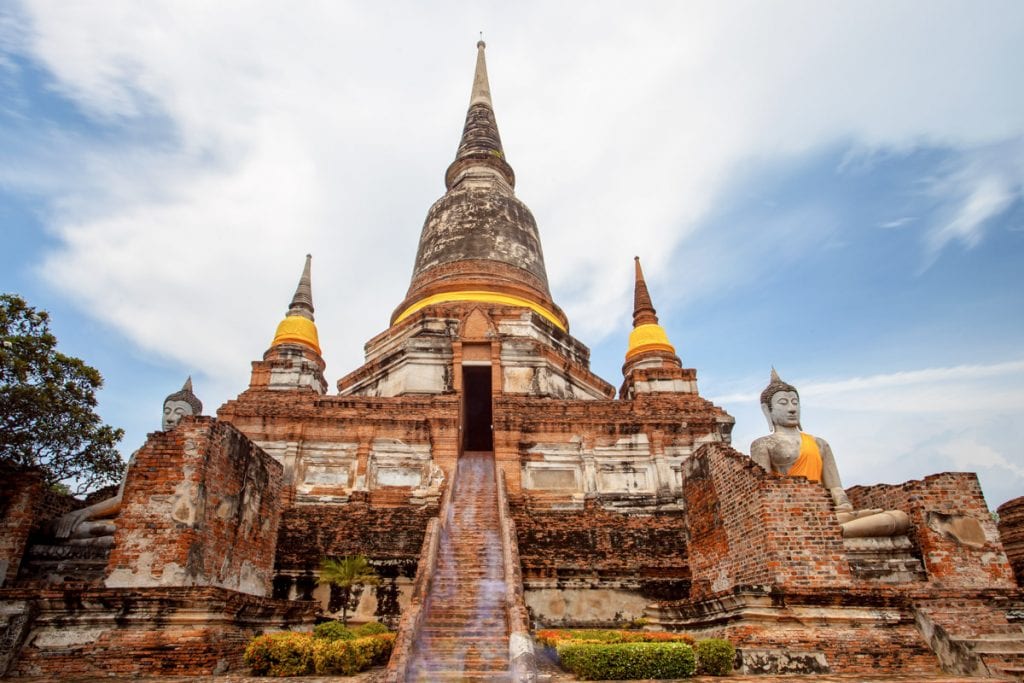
{"x": 20, "y": 489}
{"x": 201, "y": 507}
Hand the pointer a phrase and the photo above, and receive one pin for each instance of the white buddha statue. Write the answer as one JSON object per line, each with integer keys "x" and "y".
{"x": 790, "y": 451}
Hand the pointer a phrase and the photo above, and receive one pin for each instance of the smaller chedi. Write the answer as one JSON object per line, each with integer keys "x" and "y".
{"x": 94, "y": 524}
{"x": 790, "y": 451}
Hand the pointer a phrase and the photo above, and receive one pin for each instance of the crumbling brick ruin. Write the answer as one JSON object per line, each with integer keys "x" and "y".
{"x": 475, "y": 459}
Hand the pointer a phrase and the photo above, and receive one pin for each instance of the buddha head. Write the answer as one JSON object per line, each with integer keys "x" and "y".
{"x": 780, "y": 403}
{"x": 179, "y": 404}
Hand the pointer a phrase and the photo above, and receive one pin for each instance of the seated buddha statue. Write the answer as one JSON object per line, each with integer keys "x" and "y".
{"x": 94, "y": 524}
{"x": 792, "y": 452}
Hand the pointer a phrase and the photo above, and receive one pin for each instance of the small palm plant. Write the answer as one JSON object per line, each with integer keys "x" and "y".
{"x": 350, "y": 575}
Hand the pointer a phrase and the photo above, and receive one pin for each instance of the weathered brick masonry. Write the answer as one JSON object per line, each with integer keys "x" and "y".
{"x": 201, "y": 507}
{"x": 747, "y": 527}
{"x": 20, "y": 492}
{"x": 85, "y": 632}
{"x": 595, "y": 543}
{"x": 1011, "y": 530}
{"x": 938, "y": 506}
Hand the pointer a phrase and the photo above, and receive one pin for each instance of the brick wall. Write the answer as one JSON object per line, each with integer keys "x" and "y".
{"x": 942, "y": 500}
{"x": 1011, "y": 531}
{"x": 309, "y": 533}
{"x": 80, "y": 633}
{"x": 748, "y": 527}
{"x": 200, "y": 507}
{"x": 594, "y": 542}
{"x": 20, "y": 492}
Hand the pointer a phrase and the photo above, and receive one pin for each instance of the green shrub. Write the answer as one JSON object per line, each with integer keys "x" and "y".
{"x": 715, "y": 657}
{"x": 370, "y": 628}
{"x": 347, "y": 657}
{"x": 333, "y": 630}
{"x": 611, "y": 661}
{"x": 340, "y": 657}
{"x": 280, "y": 654}
{"x": 380, "y": 645}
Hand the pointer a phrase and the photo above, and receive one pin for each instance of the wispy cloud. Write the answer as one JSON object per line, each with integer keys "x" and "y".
{"x": 897, "y": 223}
{"x": 894, "y": 380}
{"x": 987, "y": 183}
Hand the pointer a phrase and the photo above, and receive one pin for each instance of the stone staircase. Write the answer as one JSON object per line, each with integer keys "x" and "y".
{"x": 973, "y": 642}
{"x": 464, "y": 635}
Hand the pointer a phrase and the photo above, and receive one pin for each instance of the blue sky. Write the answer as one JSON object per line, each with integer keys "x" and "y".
{"x": 833, "y": 189}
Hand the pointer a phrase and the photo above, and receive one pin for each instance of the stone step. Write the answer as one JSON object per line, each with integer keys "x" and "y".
{"x": 493, "y": 611}
{"x": 462, "y": 676}
{"x": 460, "y": 630}
{"x": 1002, "y": 645}
{"x": 467, "y": 664}
{"x": 480, "y": 641}
{"x": 990, "y": 632}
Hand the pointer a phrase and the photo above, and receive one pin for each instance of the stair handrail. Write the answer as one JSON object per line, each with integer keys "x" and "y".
{"x": 411, "y": 623}
{"x": 522, "y": 661}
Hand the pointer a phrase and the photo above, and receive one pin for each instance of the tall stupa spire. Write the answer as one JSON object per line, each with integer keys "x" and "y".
{"x": 479, "y": 242}
{"x": 643, "y": 309}
{"x": 647, "y": 335}
{"x": 481, "y": 87}
{"x": 480, "y": 147}
{"x": 298, "y": 326}
{"x": 302, "y": 302}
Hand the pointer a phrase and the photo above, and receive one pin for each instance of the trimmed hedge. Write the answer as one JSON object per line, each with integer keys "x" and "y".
{"x": 715, "y": 657}
{"x": 611, "y": 661}
{"x": 552, "y": 637}
{"x": 299, "y": 654}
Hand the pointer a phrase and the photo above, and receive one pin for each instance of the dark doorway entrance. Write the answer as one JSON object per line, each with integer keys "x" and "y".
{"x": 476, "y": 398}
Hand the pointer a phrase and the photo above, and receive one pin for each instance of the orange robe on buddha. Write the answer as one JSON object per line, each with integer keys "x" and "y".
{"x": 808, "y": 463}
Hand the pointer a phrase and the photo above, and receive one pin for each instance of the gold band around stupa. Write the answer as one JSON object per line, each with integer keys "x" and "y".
{"x": 649, "y": 337}
{"x": 297, "y": 330}
{"x": 483, "y": 297}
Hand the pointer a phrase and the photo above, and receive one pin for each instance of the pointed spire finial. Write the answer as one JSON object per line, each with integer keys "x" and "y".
{"x": 302, "y": 302}
{"x": 643, "y": 308}
{"x": 187, "y": 386}
{"x": 481, "y": 86}
{"x": 774, "y": 377}
{"x": 647, "y": 334}
{"x": 480, "y": 152}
